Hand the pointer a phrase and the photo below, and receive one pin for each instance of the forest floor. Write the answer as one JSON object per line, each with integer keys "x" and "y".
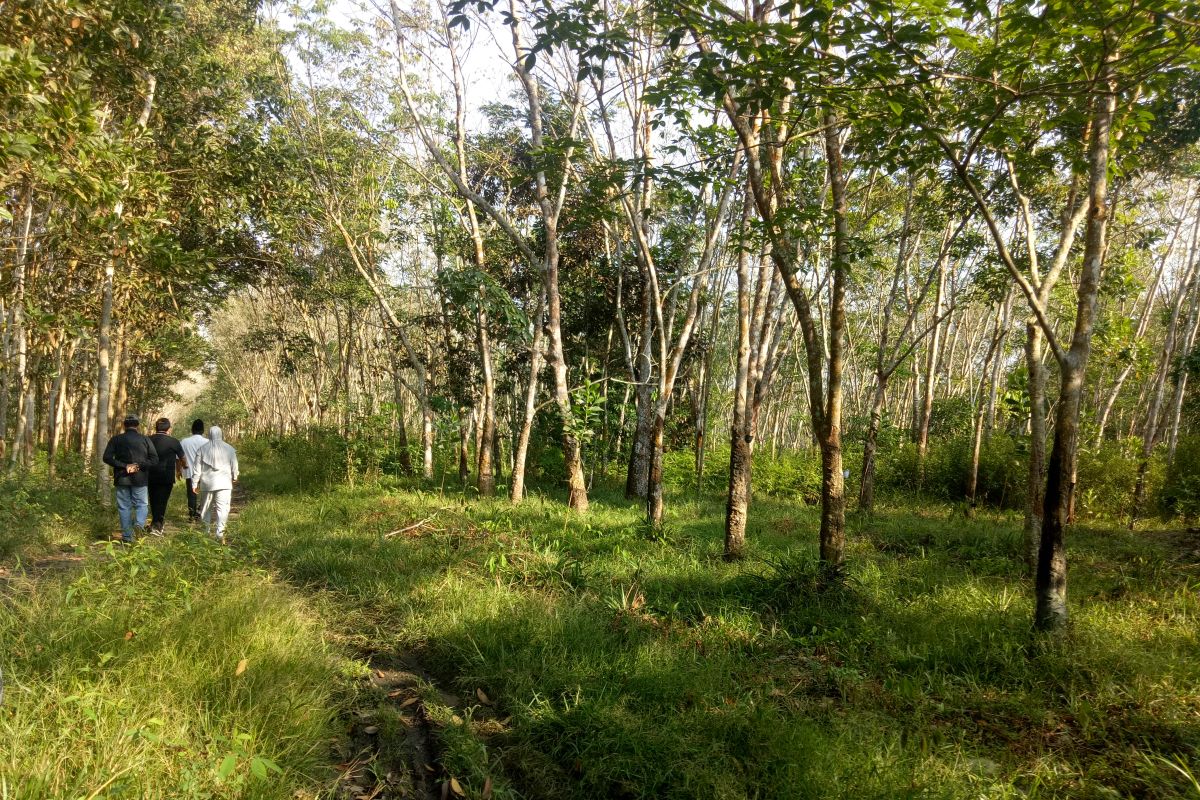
{"x": 384, "y": 641}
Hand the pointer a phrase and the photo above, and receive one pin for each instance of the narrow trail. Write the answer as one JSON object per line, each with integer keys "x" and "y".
{"x": 393, "y": 746}
{"x": 390, "y": 749}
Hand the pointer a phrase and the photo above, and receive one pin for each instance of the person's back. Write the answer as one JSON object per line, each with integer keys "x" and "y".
{"x": 163, "y": 475}
{"x": 215, "y": 471}
{"x": 130, "y": 447}
{"x": 169, "y": 450}
{"x": 192, "y": 446}
{"x": 131, "y": 456}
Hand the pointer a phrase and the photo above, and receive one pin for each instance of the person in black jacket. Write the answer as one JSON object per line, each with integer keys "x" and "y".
{"x": 171, "y": 462}
{"x": 131, "y": 455}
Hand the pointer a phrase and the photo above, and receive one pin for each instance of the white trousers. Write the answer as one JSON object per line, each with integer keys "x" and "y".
{"x": 215, "y": 503}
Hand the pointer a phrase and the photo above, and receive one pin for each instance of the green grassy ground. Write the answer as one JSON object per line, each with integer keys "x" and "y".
{"x": 594, "y": 659}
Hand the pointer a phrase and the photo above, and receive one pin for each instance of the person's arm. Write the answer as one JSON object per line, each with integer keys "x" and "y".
{"x": 197, "y": 472}
{"x": 180, "y": 464}
{"x": 151, "y": 454}
{"x": 110, "y": 455}
{"x": 233, "y": 466}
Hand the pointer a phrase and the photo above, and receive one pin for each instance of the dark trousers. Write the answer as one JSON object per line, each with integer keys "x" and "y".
{"x": 160, "y": 493}
{"x": 193, "y": 501}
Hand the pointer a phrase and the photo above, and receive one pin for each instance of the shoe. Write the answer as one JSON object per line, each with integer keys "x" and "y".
{"x": 155, "y": 531}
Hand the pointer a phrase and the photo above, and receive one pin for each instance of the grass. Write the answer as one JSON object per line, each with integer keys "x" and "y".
{"x": 631, "y": 665}
{"x": 170, "y": 669}
{"x": 588, "y": 657}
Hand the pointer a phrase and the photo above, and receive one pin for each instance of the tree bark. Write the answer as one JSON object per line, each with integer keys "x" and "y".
{"x": 517, "y": 485}
{"x": 103, "y": 345}
{"x": 637, "y": 480}
{"x": 1051, "y": 580}
{"x": 21, "y": 444}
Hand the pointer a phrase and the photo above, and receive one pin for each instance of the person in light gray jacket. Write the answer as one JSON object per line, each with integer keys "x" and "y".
{"x": 214, "y": 473}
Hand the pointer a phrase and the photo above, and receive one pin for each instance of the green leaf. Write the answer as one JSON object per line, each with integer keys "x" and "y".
{"x": 228, "y": 765}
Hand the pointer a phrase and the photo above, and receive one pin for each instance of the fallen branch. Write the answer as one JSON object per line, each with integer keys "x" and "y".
{"x": 415, "y": 525}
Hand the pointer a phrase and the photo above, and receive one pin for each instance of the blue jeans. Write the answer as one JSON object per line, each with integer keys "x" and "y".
{"x": 132, "y": 500}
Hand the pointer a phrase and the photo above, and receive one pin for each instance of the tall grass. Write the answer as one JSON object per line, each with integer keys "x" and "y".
{"x": 631, "y": 663}
{"x": 592, "y": 657}
{"x": 163, "y": 671}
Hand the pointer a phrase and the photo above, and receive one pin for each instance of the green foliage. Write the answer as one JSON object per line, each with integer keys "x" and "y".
{"x": 1001, "y": 482}
{"x": 1181, "y": 489}
{"x": 624, "y": 667}
{"x": 791, "y": 476}
{"x": 1107, "y": 474}
{"x": 165, "y": 670}
{"x": 36, "y": 514}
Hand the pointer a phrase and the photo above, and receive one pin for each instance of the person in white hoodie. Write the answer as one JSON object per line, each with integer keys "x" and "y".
{"x": 214, "y": 473}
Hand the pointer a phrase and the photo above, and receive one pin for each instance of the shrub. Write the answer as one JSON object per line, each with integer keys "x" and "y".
{"x": 1001, "y": 481}
{"x": 1180, "y": 493}
{"x": 790, "y": 475}
{"x": 1105, "y": 477}
{"x": 318, "y": 458}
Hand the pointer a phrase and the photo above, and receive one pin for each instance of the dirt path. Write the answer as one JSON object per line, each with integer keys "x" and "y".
{"x": 394, "y": 752}
{"x": 390, "y": 749}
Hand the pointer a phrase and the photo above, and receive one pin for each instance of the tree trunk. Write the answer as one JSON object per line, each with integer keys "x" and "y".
{"x": 1193, "y": 327}
{"x": 833, "y": 489}
{"x": 405, "y": 457}
{"x": 6, "y": 370}
{"x": 57, "y": 405}
{"x": 464, "y": 455}
{"x": 1051, "y": 582}
{"x": 21, "y": 444}
{"x": 638, "y": 476}
{"x": 103, "y": 345}
{"x": 991, "y": 359}
{"x": 738, "y": 503}
{"x": 1151, "y": 428}
{"x": 517, "y": 486}
{"x": 486, "y": 480}
{"x": 427, "y": 435}
{"x": 654, "y": 486}
{"x": 931, "y": 372}
{"x": 866, "y": 491}
{"x": 1035, "y": 500}
{"x": 572, "y": 457}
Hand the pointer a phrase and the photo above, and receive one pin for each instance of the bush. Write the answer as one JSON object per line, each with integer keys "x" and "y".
{"x": 790, "y": 475}
{"x": 35, "y": 512}
{"x": 1180, "y": 492}
{"x": 1106, "y": 475}
{"x": 318, "y": 458}
{"x": 1003, "y": 466}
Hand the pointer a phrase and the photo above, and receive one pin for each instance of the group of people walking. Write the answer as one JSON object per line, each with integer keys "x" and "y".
{"x": 146, "y": 468}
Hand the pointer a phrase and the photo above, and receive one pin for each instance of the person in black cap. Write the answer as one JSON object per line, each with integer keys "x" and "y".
{"x": 170, "y": 466}
{"x": 131, "y": 455}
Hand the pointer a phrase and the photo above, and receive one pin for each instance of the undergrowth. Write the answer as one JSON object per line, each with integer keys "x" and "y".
{"x": 596, "y": 657}
{"x": 164, "y": 670}
{"x": 632, "y": 665}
